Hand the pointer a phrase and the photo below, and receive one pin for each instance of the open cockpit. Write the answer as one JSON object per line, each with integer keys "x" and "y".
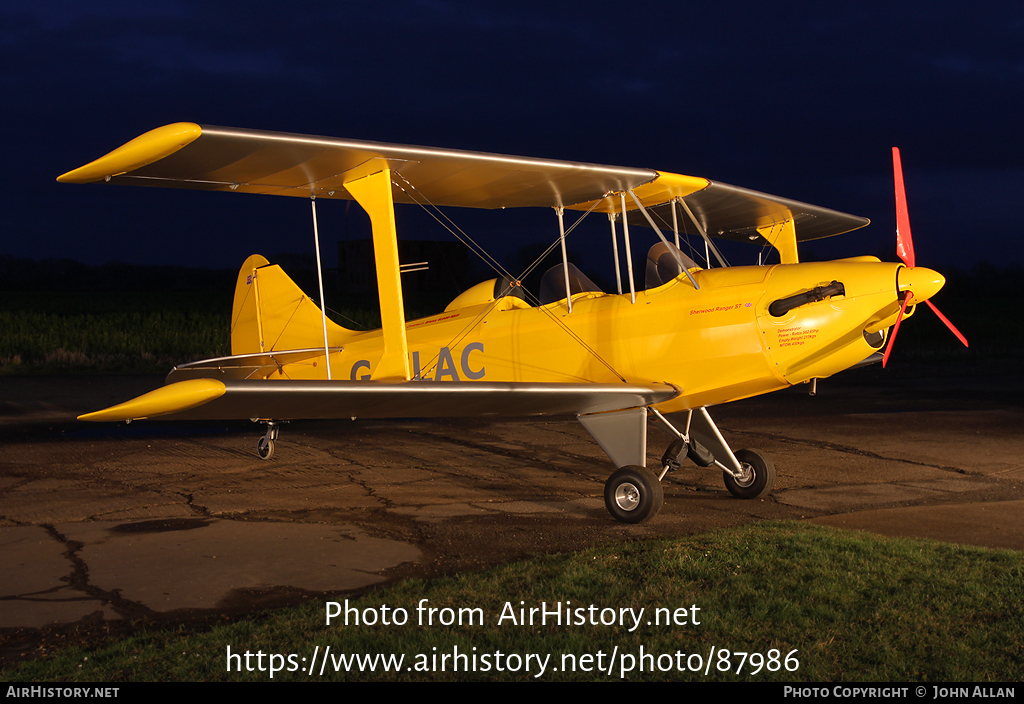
{"x": 665, "y": 263}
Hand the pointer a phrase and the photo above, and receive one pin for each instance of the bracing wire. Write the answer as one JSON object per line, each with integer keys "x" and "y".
{"x": 447, "y": 223}
{"x": 477, "y": 249}
{"x": 694, "y": 254}
{"x": 288, "y": 322}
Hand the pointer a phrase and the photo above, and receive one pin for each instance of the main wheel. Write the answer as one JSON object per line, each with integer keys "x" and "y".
{"x": 633, "y": 494}
{"x": 758, "y": 475}
{"x": 265, "y": 448}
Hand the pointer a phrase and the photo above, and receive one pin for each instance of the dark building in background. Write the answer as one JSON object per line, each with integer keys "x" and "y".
{"x": 434, "y": 269}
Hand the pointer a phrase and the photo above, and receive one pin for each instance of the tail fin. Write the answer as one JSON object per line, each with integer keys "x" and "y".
{"x": 271, "y": 313}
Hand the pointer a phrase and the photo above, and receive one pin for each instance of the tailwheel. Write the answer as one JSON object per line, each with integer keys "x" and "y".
{"x": 265, "y": 446}
{"x": 633, "y": 494}
{"x": 756, "y": 478}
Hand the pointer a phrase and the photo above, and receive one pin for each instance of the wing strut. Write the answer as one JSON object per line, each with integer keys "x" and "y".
{"x": 782, "y": 236}
{"x": 657, "y": 230}
{"x": 565, "y": 257}
{"x": 629, "y": 254}
{"x": 374, "y": 194}
{"x": 675, "y": 223}
{"x": 615, "y": 253}
{"x": 703, "y": 233}
{"x": 320, "y": 279}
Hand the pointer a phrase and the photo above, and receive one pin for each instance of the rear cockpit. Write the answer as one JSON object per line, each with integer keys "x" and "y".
{"x": 552, "y": 284}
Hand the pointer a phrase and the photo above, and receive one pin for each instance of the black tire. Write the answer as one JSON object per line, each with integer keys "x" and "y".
{"x": 265, "y": 449}
{"x": 762, "y": 477}
{"x": 633, "y": 494}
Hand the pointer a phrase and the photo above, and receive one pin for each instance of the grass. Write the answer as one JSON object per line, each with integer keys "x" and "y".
{"x": 61, "y": 332}
{"x": 832, "y": 605}
{"x": 137, "y": 333}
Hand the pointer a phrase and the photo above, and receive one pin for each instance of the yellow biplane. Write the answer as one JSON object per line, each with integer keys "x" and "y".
{"x": 692, "y": 337}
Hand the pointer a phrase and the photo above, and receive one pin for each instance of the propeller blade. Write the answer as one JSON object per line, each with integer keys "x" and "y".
{"x": 904, "y": 240}
{"x": 896, "y": 329}
{"x": 905, "y": 250}
{"x": 948, "y": 324}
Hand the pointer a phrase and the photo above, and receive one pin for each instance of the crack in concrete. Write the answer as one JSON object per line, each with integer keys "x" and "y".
{"x": 79, "y": 579}
{"x": 196, "y": 509}
{"x": 349, "y": 474}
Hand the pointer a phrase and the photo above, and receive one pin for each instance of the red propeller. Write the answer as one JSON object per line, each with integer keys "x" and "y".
{"x": 905, "y": 250}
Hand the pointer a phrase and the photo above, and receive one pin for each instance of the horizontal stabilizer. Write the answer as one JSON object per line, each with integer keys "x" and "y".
{"x": 259, "y": 365}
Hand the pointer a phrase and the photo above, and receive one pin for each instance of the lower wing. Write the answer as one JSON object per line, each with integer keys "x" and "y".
{"x": 228, "y": 399}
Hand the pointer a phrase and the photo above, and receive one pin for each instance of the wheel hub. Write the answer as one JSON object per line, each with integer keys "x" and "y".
{"x": 627, "y": 496}
{"x": 745, "y": 477}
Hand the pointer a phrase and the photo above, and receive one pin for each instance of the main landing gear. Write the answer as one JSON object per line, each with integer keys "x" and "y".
{"x": 633, "y": 494}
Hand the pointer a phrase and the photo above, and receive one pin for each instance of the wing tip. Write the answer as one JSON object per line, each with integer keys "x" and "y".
{"x": 144, "y": 149}
{"x": 173, "y": 398}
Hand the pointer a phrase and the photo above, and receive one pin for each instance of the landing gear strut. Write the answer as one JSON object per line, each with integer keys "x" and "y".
{"x": 265, "y": 446}
{"x": 634, "y": 494}
{"x": 748, "y": 474}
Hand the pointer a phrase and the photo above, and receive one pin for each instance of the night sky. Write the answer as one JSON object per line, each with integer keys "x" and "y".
{"x": 801, "y": 99}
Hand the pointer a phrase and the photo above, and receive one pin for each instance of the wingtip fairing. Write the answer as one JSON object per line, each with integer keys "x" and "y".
{"x": 141, "y": 151}
{"x": 173, "y": 398}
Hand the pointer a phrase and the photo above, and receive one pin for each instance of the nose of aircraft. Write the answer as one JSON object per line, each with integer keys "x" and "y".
{"x": 923, "y": 283}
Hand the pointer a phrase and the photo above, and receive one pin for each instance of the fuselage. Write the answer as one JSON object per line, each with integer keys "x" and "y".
{"x": 718, "y": 343}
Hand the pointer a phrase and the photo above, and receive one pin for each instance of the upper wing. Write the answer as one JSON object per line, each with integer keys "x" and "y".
{"x": 736, "y": 213}
{"x": 727, "y": 211}
{"x": 214, "y": 399}
{"x": 187, "y": 155}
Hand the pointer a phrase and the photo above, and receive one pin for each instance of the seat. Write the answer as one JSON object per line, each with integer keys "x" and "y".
{"x": 552, "y": 284}
{"x": 662, "y": 265}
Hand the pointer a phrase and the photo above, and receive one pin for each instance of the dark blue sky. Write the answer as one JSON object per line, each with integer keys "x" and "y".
{"x": 800, "y": 99}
